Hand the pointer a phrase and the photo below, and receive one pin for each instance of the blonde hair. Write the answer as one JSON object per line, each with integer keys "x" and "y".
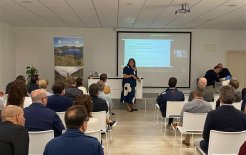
{"x": 43, "y": 83}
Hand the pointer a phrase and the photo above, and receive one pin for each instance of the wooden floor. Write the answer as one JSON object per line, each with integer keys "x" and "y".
{"x": 137, "y": 134}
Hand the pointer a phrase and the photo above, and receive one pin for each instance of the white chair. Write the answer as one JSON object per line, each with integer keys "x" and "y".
{"x": 62, "y": 117}
{"x": 193, "y": 123}
{"x": 173, "y": 110}
{"x": 213, "y": 104}
{"x": 96, "y": 134}
{"x": 83, "y": 89}
{"x": 38, "y": 140}
{"x": 237, "y": 105}
{"x": 157, "y": 113}
{"x": 27, "y": 101}
{"x": 186, "y": 97}
{"x": 224, "y": 142}
{"x": 216, "y": 97}
{"x": 101, "y": 117}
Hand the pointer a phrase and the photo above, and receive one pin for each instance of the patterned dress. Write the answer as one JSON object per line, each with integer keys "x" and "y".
{"x": 128, "y": 86}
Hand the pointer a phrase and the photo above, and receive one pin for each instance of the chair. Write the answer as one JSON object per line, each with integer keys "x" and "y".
{"x": 157, "y": 113}
{"x": 96, "y": 134}
{"x": 237, "y": 105}
{"x": 27, "y": 101}
{"x": 101, "y": 117}
{"x": 224, "y": 142}
{"x": 38, "y": 140}
{"x": 193, "y": 123}
{"x": 83, "y": 89}
{"x": 62, "y": 117}
{"x": 213, "y": 104}
{"x": 173, "y": 110}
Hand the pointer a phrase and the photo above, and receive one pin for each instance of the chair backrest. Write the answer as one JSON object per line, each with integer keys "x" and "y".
{"x": 174, "y": 108}
{"x": 27, "y": 101}
{"x": 62, "y": 117}
{"x": 83, "y": 89}
{"x": 96, "y": 134}
{"x": 213, "y": 104}
{"x": 237, "y": 105}
{"x": 101, "y": 117}
{"x": 38, "y": 140}
{"x": 216, "y": 97}
{"x": 225, "y": 142}
{"x": 186, "y": 97}
{"x": 194, "y": 121}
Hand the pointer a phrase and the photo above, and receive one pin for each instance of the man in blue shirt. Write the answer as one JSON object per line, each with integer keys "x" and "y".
{"x": 58, "y": 102}
{"x": 170, "y": 94}
{"x": 74, "y": 141}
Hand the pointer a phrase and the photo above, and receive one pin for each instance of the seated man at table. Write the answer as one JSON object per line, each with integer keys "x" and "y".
{"x": 170, "y": 94}
{"x": 224, "y": 72}
{"x": 74, "y": 141}
{"x": 225, "y": 118}
{"x": 212, "y": 76}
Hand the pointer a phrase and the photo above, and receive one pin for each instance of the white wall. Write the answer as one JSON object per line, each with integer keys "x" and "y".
{"x": 7, "y": 55}
{"x": 34, "y": 46}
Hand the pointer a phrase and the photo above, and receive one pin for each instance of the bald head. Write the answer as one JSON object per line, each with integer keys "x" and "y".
{"x": 202, "y": 82}
{"x": 39, "y": 96}
{"x": 13, "y": 114}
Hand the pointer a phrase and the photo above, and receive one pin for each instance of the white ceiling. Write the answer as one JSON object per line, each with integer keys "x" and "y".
{"x": 209, "y": 14}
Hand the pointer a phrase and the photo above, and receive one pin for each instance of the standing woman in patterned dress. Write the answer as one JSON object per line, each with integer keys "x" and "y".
{"x": 129, "y": 83}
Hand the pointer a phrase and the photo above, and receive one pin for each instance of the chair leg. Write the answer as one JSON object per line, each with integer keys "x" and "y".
{"x": 165, "y": 126}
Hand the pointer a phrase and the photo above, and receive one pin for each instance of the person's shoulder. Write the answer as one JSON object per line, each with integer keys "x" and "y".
{"x": 91, "y": 139}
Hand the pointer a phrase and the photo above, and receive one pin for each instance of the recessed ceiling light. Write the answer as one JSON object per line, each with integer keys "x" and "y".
{"x": 232, "y": 5}
{"x": 26, "y": 1}
{"x": 130, "y": 3}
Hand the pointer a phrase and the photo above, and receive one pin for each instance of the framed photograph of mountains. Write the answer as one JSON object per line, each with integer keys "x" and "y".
{"x": 68, "y": 54}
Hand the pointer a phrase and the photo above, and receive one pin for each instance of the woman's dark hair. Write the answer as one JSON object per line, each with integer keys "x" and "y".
{"x": 17, "y": 93}
{"x": 79, "y": 82}
{"x": 131, "y": 59}
{"x": 103, "y": 77}
{"x": 75, "y": 116}
{"x": 93, "y": 89}
{"x": 85, "y": 100}
{"x": 34, "y": 79}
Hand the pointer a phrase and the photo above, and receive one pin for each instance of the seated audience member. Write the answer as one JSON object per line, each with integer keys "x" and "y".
{"x": 58, "y": 102}
{"x": 1, "y": 101}
{"x": 212, "y": 76}
{"x": 33, "y": 84}
{"x": 14, "y": 138}
{"x": 197, "y": 105}
{"x": 17, "y": 94}
{"x": 72, "y": 91}
{"x": 79, "y": 85}
{"x": 208, "y": 91}
{"x": 225, "y": 118}
{"x": 244, "y": 100}
{"x": 170, "y": 94}
{"x": 224, "y": 72}
{"x": 242, "y": 150}
{"x": 86, "y": 101}
{"x": 20, "y": 78}
{"x": 238, "y": 96}
{"x": 105, "y": 97}
{"x": 43, "y": 84}
{"x": 39, "y": 117}
{"x": 104, "y": 78}
{"x": 98, "y": 103}
{"x": 74, "y": 141}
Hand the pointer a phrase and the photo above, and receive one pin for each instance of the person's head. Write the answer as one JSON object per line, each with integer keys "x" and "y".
{"x": 244, "y": 93}
{"x": 71, "y": 81}
{"x": 227, "y": 94}
{"x": 234, "y": 83}
{"x": 34, "y": 79}
{"x": 103, "y": 77}
{"x": 217, "y": 69}
{"x": 39, "y": 96}
{"x": 131, "y": 63}
{"x": 101, "y": 85}
{"x": 79, "y": 82}
{"x": 86, "y": 101}
{"x": 43, "y": 83}
{"x": 58, "y": 88}
{"x": 94, "y": 89}
{"x": 202, "y": 82}
{"x": 17, "y": 93}
{"x": 76, "y": 118}
{"x": 199, "y": 91}
{"x": 13, "y": 114}
{"x": 21, "y": 78}
{"x": 172, "y": 82}
{"x": 220, "y": 65}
